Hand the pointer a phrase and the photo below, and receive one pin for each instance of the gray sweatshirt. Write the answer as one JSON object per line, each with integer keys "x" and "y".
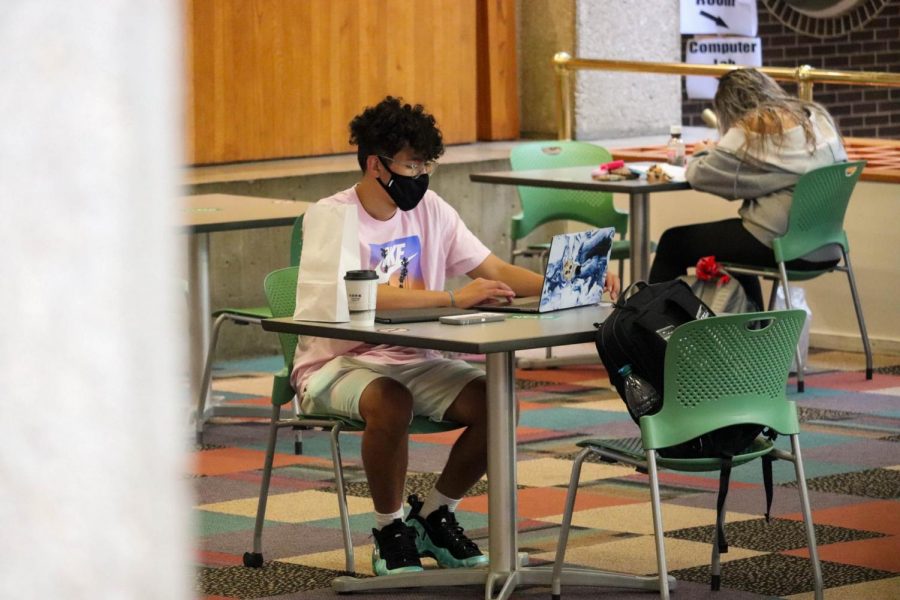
{"x": 765, "y": 180}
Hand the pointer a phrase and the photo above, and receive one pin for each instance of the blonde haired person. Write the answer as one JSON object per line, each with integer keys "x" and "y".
{"x": 768, "y": 139}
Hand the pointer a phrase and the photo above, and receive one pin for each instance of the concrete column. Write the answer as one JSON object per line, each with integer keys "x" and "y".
{"x": 93, "y": 502}
{"x": 609, "y": 104}
{"x": 606, "y": 104}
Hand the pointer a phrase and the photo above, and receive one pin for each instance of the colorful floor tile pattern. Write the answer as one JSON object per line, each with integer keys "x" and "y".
{"x": 851, "y": 449}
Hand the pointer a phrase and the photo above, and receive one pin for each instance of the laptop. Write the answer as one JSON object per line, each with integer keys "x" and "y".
{"x": 575, "y": 274}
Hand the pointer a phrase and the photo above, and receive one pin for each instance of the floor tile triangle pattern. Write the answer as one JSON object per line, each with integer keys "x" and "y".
{"x": 851, "y": 448}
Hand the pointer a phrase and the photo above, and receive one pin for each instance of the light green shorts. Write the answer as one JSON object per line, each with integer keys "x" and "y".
{"x": 335, "y": 389}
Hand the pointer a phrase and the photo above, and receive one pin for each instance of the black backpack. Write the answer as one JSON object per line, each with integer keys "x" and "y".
{"x": 637, "y": 333}
{"x": 638, "y": 329}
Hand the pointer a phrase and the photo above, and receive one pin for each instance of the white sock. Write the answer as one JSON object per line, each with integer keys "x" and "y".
{"x": 384, "y": 519}
{"x": 435, "y": 500}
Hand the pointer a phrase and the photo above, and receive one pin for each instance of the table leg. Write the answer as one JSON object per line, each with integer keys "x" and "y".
{"x": 503, "y": 545}
{"x": 639, "y": 215}
{"x": 198, "y": 306}
{"x": 506, "y": 570}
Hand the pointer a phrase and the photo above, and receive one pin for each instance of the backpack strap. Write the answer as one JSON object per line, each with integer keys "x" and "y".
{"x": 767, "y": 461}
{"x": 655, "y": 321}
{"x": 724, "y": 477}
{"x": 628, "y": 292}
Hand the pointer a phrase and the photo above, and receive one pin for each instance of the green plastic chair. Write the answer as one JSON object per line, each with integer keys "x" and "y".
{"x": 719, "y": 371}
{"x": 544, "y": 205}
{"x": 816, "y": 220}
{"x": 252, "y": 315}
{"x": 281, "y": 289}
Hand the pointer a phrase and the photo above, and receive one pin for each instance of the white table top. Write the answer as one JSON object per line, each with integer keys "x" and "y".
{"x": 575, "y": 178}
{"x": 204, "y": 213}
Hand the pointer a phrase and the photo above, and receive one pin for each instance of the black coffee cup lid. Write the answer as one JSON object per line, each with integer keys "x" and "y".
{"x": 361, "y": 275}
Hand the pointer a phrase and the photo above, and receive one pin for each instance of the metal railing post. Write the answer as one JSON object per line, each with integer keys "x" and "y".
{"x": 563, "y": 96}
{"x": 805, "y": 77}
{"x": 804, "y": 83}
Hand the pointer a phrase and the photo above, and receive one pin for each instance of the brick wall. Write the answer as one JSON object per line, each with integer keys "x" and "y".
{"x": 859, "y": 111}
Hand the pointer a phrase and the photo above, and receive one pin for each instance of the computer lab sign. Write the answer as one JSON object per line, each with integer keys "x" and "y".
{"x": 745, "y": 51}
{"x": 719, "y": 17}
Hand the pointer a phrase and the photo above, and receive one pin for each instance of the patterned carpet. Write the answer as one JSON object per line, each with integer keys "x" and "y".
{"x": 851, "y": 430}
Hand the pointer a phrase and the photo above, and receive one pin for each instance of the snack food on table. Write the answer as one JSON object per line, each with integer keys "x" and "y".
{"x": 656, "y": 174}
{"x": 619, "y": 173}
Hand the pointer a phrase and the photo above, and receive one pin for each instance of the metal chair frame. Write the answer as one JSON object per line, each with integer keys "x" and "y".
{"x": 696, "y": 402}
{"x": 280, "y": 287}
{"x": 242, "y": 317}
{"x": 816, "y": 220}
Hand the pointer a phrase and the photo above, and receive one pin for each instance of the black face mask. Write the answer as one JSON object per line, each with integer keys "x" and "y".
{"x": 406, "y": 192}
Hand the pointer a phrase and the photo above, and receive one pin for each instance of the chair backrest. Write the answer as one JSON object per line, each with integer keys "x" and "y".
{"x": 296, "y": 241}
{"x": 723, "y": 371}
{"x": 281, "y": 294}
{"x": 817, "y": 212}
{"x": 542, "y": 205}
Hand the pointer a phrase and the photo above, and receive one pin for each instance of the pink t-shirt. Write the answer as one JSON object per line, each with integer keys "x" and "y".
{"x": 416, "y": 249}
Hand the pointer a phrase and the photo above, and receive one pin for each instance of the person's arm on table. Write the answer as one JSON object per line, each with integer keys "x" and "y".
{"x": 523, "y": 281}
{"x": 492, "y": 279}
{"x": 469, "y": 295}
{"x": 722, "y": 172}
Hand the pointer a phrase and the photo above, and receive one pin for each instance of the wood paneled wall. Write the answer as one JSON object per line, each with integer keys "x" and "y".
{"x": 498, "y": 89}
{"x": 283, "y": 78}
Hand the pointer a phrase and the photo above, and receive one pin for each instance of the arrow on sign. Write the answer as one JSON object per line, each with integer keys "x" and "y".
{"x": 718, "y": 20}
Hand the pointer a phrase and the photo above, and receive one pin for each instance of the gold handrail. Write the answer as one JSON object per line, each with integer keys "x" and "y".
{"x": 804, "y": 76}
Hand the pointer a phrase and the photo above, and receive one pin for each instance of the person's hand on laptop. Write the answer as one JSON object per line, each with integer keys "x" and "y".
{"x": 483, "y": 291}
{"x": 613, "y": 285}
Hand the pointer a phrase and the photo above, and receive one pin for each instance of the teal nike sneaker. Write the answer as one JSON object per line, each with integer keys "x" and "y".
{"x": 395, "y": 550}
{"x": 440, "y": 537}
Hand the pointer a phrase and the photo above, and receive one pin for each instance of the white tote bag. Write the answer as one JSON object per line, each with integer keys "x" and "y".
{"x": 330, "y": 249}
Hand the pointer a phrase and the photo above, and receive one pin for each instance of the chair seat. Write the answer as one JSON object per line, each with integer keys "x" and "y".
{"x": 253, "y": 312}
{"x": 282, "y": 393}
{"x": 349, "y": 424}
{"x": 418, "y": 425}
{"x": 772, "y": 272}
{"x": 538, "y": 247}
{"x": 719, "y": 372}
{"x": 621, "y": 249}
{"x": 632, "y": 448}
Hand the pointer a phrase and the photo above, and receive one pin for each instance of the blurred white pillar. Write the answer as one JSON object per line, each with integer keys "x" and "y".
{"x": 93, "y": 503}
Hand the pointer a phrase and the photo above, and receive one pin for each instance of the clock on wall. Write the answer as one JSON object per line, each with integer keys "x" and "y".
{"x": 825, "y": 18}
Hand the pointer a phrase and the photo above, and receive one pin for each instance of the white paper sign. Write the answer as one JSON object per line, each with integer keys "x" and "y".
{"x": 722, "y": 17}
{"x": 717, "y": 51}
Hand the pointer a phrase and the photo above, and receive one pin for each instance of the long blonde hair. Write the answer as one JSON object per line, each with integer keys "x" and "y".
{"x": 754, "y": 102}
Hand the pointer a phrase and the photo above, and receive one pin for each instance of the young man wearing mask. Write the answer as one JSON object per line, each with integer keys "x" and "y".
{"x": 403, "y": 226}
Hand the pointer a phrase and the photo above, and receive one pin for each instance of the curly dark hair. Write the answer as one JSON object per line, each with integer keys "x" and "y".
{"x": 390, "y": 125}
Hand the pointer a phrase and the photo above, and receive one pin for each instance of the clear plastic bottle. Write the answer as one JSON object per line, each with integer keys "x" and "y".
{"x": 640, "y": 396}
{"x": 675, "y": 147}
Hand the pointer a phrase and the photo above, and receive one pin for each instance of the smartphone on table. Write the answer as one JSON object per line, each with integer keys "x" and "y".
{"x": 472, "y": 318}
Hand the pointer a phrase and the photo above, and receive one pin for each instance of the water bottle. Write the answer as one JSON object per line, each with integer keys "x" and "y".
{"x": 640, "y": 396}
{"x": 675, "y": 147}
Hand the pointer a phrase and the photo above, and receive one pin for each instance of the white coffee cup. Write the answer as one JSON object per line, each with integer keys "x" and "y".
{"x": 362, "y": 292}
